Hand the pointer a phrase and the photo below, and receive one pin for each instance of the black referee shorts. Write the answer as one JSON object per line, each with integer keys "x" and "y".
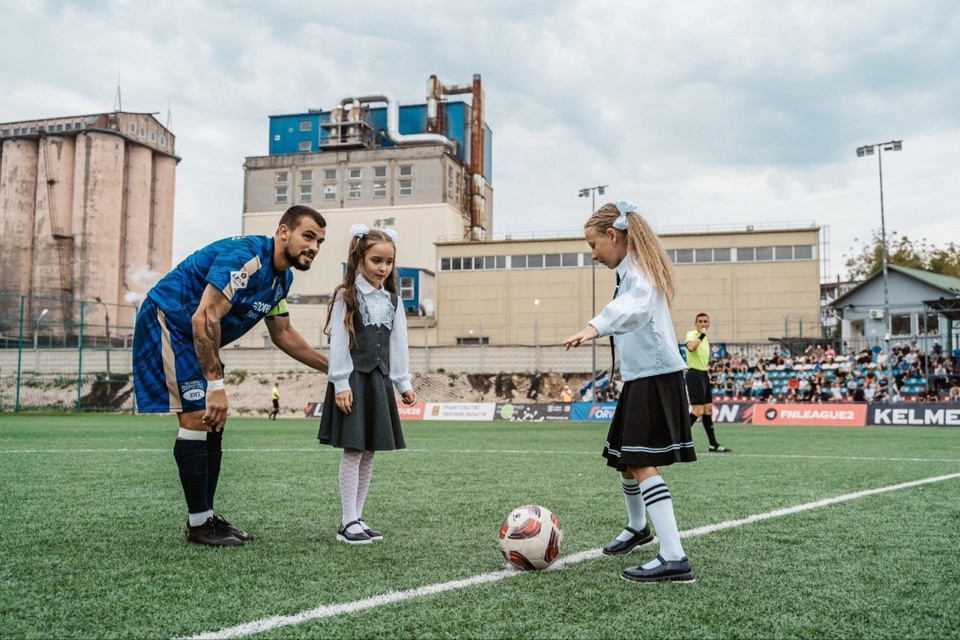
{"x": 698, "y": 387}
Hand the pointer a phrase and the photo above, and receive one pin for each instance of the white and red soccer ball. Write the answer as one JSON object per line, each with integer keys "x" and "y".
{"x": 530, "y": 537}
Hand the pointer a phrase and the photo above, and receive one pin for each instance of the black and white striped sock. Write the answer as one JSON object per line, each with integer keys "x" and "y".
{"x": 635, "y": 508}
{"x": 657, "y": 498}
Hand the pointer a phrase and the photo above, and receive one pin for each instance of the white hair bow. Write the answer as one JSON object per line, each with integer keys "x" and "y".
{"x": 392, "y": 234}
{"x": 624, "y": 207}
{"x": 359, "y": 230}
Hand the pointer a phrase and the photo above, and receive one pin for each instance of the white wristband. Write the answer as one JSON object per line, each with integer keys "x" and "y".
{"x": 215, "y": 385}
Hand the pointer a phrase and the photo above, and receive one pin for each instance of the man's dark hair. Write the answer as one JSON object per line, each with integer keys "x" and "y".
{"x": 702, "y": 315}
{"x": 291, "y": 217}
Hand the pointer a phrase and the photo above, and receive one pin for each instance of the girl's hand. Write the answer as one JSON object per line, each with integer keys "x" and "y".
{"x": 587, "y": 333}
{"x": 409, "y": 396}
{"x": 344, "y": 400}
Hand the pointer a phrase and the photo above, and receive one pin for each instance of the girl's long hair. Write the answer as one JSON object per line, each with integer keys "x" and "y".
{"x": 348, "y": 288}
{"x": 643, "y": 247}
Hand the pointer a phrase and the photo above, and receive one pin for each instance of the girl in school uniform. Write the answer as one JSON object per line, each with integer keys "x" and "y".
{"x": 368, "y": 357}
{"x": 650, "y": 427}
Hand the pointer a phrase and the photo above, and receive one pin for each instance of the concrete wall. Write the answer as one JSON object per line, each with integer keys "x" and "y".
{"x": 18, "y": 201}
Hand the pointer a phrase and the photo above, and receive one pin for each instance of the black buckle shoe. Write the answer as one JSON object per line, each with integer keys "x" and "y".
{"x": 210, "y": 534}
{"x": 638, "y": 539}
{"x": 720, "y": 449}
{"x": 231, "y": 530}
{"x": 352, "y": 538}
{"x": 373, "y": 534}
{"x": 667, "y": 571}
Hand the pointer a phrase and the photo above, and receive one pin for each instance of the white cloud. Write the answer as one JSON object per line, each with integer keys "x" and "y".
{"x": 702, "y": 112}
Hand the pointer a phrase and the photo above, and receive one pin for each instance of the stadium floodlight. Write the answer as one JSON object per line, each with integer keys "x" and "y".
{"x": 592, "y": 192}
{"x": 880, "y": 147}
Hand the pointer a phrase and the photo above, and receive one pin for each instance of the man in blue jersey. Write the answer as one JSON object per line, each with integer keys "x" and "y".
{"x": 209, "y": 300}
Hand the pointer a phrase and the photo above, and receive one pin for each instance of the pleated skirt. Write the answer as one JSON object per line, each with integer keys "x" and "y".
{"x": 373, "y": 423}
{"x": 651, "y": 424}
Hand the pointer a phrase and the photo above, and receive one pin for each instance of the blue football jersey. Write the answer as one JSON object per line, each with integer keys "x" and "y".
{"x": 242, "y": 269}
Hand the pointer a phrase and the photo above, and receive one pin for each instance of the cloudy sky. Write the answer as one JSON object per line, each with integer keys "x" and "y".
{"x": 702, "y": 112}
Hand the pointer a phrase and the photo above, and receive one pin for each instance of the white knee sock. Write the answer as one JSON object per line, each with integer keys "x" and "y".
{"x": 365, "y": 473}
{"x": 657, "y": 498}
{"x": 349, "y": 477}
{"x": 635, "y": 508}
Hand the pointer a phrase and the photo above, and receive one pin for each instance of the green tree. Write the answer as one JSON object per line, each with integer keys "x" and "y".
{"x": 867, "y": 258}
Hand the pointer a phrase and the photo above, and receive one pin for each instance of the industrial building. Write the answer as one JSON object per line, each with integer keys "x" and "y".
{"x": 419, "y": 170}
{"x": 86, "y": 209}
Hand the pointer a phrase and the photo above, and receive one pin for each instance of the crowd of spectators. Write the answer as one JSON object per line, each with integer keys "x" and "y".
{"x": 820, "y": 374}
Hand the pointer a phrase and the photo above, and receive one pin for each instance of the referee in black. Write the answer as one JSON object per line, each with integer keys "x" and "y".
{"x": 698, "y": 379}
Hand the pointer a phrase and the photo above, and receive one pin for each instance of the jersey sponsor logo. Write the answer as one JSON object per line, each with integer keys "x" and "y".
{"x": 277, "y": 294}
{"x": 192, "y": 390}
{"x": 239, "y": 279}
{"x": 261, "y": 307}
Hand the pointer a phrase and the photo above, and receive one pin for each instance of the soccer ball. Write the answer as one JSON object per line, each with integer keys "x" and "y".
{"x": 530, "y": 537}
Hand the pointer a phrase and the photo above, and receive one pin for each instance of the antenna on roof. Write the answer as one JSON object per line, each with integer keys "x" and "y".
{"x": 117, "y": 103}
{"x": 169, "y": 116}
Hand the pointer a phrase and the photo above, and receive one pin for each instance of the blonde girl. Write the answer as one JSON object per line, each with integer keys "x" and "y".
{"x": 650, "y": 427}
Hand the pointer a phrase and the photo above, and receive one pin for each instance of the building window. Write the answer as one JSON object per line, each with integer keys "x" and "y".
{"x": 803, "y": 252}
{"x": 764, "y": 253}
{"x": 143, "y": 132}
{"x": 304, "y": 145}
{"x": 703, "y": 255}
{"x": 568, "y": 260}
{"x": 380, "y": 189}
{"x": 306, "y": 125}
{"x": 406, "y": 287}
{"x": 59, "y": 127}
{"x": 153, "y": 136}
{"x": 473, "y": 341}
{"x": 456, "y": 264}
{"x": 68, "y": 126}
{"x": 282, "y": 177}
{"x": 406, "y": 188}
{"x": 684, "y": 256}
{"x": 379, "y": 172}
{"x": 551, "y": 260}
{"x": 534, "y": 260}
{"x": 306, "y": 193}
{"x": 721, "y": 255}
{"x": 444, "y": 264}
{"x": 406, "y": 170}
{"x": 281, "y": 195}
{"x": 355, "y": 173}
{"x": 133, "y": 127}
{"x": 306, "y": 175}
{"x": 163, "y": 141}
{"x": 329, "y": 174}
{"x": 745, "y": 254}
{"x": 329, "y": 192}
{"x": 783, "y": 253}
{"x": 355, "y": 192}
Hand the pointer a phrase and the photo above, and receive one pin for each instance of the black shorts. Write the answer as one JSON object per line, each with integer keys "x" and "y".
{"x": 276, "y": 404}
{"x": 698, "y": 387}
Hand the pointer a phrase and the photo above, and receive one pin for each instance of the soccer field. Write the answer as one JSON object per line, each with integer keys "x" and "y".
{"x": 819, "y": 532}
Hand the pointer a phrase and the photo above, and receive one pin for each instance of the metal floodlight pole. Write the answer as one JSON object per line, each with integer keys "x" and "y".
{"x": 36, "y": 331}
{"x": 106, "y": 315}
{"x": 867, "y": 150}
{"x": 592, "y": 192}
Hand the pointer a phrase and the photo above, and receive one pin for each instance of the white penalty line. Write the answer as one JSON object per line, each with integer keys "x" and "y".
{"x": 390, "y": 597}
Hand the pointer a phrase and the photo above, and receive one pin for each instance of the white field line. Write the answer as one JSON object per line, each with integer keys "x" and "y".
{"x": 328, "y": 611}
{"x": 480, "y": 452}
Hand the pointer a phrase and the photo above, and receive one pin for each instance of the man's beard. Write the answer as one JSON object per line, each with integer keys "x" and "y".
{"x": 294, "y": 260}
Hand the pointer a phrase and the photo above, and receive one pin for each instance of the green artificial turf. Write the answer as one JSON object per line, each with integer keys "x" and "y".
{"x": 92, "y": 515}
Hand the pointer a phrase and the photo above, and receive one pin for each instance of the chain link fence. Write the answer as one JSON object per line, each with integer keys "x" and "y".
{"x": 42, "y": 338}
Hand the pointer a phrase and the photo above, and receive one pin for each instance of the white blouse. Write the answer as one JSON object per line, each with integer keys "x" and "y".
{"x": 375, "y": 308}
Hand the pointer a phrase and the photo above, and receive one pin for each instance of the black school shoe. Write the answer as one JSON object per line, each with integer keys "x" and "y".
{"x": 638, "y": 539}
{"x": 210, "y": 534}
{"x": 352, "y": 538}
{"x": 668, "y": 571}
{"x": 229, "y": 529}
{"x": 720, "y": 449}
{"x": 373, "y": 534}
